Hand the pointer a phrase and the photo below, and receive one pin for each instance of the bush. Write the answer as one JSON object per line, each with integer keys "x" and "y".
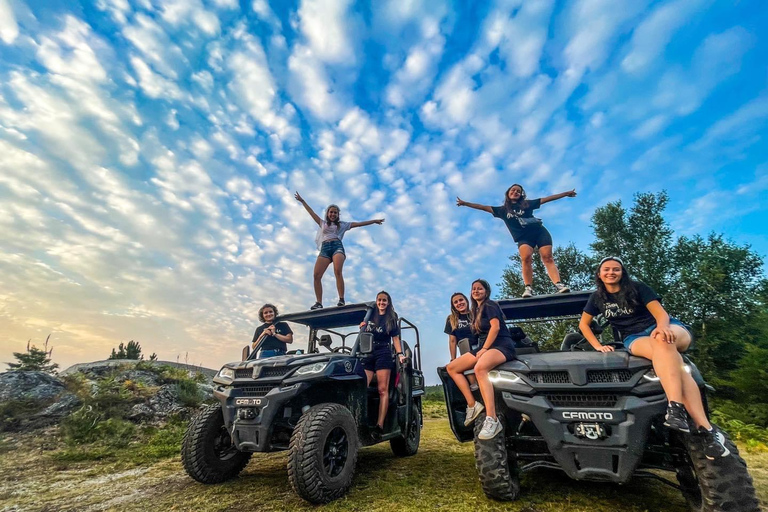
{"x": 188, "y": 392}
{"x": 87, "y": 425}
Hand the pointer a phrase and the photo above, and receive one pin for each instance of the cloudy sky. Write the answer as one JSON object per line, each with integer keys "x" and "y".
{"x": 150, "y": 150}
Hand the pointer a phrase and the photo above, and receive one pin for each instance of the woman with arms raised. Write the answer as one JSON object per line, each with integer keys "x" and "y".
{"x": 330, "y": 232}
{"x": 527, "y": 231}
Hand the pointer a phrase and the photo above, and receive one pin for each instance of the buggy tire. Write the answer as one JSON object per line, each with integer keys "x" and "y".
{"x": 207, "y": 452}
{"x": 323, "y": 453}
{"x": 498, "y": 480}
{"x": 403, "y": 447}
{"x": 721, "y": 485}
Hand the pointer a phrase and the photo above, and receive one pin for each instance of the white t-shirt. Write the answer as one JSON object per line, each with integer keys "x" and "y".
{"x": 330, "y": 232}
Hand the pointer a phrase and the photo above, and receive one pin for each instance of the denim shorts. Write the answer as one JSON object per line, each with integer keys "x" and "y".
{"x": 629, "y": 339}
{"x": 331, "y": 247}
{"x": 271, "y": 353}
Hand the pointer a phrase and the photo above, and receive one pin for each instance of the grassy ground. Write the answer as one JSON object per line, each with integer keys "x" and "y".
{"x": 38, "y": 475}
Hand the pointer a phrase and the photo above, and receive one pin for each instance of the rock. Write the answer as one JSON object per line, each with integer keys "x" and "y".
{"x": 29, "y": 386}
{"x": 102, "y": 368}
{"x": 62, "y": 407}
{"x": 140, "y": 412}
{"x": 143, "y": 376}
{"x": 166, "y": 402}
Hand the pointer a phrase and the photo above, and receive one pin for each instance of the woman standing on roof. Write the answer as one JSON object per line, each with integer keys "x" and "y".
{"x": 496, "y": 347}
{"x": 329, "y": 234}
{"x": 527, "y": 230}
{"x": 635, "y": 310}
{"x": 276, "y": 335}
{"x": 386, "y": 332}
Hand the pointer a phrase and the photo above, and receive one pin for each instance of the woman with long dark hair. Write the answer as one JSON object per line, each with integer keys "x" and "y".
{"x": 496, "y": 347}
{"x": 386, "y": 332}
{"x": 527, "y": 230}
{"x": 329, "y": 234}
{"x": 635, "y": 310}
{"x": 276, "y": 335}
{"x": 458, "y": 326}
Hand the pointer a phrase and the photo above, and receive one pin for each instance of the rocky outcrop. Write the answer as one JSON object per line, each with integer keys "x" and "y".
{"x": 31, "y": 400}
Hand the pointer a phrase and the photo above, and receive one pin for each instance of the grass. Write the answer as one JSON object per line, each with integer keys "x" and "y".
{"x": 148, "y": 476}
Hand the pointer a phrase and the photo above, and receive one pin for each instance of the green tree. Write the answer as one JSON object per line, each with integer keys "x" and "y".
{"x": 640, "y": 237}
{"x": 130, "y": 351}
{"x": 34, "y": 359}
{"x": 575, "y": 269}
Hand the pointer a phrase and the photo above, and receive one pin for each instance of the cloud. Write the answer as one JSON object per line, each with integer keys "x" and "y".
{"x": 519, "y": 30}
{"x": 311, "y": 87}
{"x": 650, "y": 38}
{"x": 9, "y": 29}
{"x": 327, "y": 27}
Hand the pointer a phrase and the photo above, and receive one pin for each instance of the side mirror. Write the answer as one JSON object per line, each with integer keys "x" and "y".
{"x": 246, "y": 352}
{"x": 365, "y": 343}
{"x": 325, "y": 341}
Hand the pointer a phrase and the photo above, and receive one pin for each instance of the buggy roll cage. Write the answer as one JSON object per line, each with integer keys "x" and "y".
{"x": 350, "y": 315}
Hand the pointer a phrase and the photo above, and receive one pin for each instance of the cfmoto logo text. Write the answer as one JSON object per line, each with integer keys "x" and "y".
{"x": 572, "y": 415}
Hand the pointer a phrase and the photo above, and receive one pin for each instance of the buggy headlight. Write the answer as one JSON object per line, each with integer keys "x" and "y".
{"x": 503, "y": 376}
{"x": 311, "y": 368}
{"x": 227, "y": 373}
{"x": 651, "y": 376}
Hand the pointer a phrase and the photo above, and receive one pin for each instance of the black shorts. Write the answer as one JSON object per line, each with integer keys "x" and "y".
{"x": 507, "y": 350}
{"x": 535, "y": 236}
{"x": 380, "y": 359}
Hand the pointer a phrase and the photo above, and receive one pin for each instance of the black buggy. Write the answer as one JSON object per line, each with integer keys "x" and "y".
{"x": 592, "y": 415}
{"x": 316, "y": 405}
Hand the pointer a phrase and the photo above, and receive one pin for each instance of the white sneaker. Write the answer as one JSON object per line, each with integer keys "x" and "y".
{"x": 473, "y": 413}
{"x": 528, "y": 292}
{"x": 491, "y": 427}
{"x": 561, "y": 288}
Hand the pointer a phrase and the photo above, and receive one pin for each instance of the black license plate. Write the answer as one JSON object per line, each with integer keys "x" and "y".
{"x": 250, "y": 402}
{"x": 592, "y": 431}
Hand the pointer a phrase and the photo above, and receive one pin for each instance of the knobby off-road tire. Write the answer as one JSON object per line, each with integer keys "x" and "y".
{"x": 498, "y": 479}
{"x": 323, "y": 453}
{"x": 721, "y": 485}
{"x": 403, "y": 447}
{"x": 207, "y": 451}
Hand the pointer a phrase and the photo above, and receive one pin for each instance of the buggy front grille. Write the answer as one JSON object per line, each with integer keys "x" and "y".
{"x": 608, "y": 376}
{"x": 550, "y": 377}
{"x": 273, "y": 371}
{"x": 582, "y": 400}
{"x": 256, "y": 390}
{"x": 244, "y": 373}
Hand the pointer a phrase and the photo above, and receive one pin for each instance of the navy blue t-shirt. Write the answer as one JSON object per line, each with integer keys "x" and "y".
{"x": 463, "y": 330}
{"x": 511, "y": 218}
{"x": 271, "y": 342}
{"x": 628, "y": 320}
{"x": 381, "y": 334}
{"x": 492, "y": 310}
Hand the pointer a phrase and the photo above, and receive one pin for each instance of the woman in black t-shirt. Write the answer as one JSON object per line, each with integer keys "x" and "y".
{"x": 648, "y": 331}
{"x": 276, "y": 335}
{"x": 527, "y": 231}
{"x": 386, "y": 332}
{"x": 496, "y": 347}
{"x": 458, "y": 326}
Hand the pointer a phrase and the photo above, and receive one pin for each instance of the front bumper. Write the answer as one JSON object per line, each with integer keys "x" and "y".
{"x": 252, "y": 429}
{"x": 613, "y": 458}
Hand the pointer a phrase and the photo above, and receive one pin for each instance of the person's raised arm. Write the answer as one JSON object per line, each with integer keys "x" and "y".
{"x": 309, "y": 209}
{"x": 476, "y": 206}
{"x": 365, "y": 223}
{"x": 555, "y": 197}
{"x": 586, "y": 329}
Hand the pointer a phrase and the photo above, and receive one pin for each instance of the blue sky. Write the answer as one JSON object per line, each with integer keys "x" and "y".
{"x": 150, "y": 150}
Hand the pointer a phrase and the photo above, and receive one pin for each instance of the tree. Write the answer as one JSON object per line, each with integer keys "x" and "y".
{"x": 575, "y": 269}
{"x": 641, "y": 238}
{"x": 130, "y": 351}
{"x": 34, "y": 359}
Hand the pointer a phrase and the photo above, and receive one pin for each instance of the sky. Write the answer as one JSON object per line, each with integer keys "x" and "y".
{"x": 150, "y": 150}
